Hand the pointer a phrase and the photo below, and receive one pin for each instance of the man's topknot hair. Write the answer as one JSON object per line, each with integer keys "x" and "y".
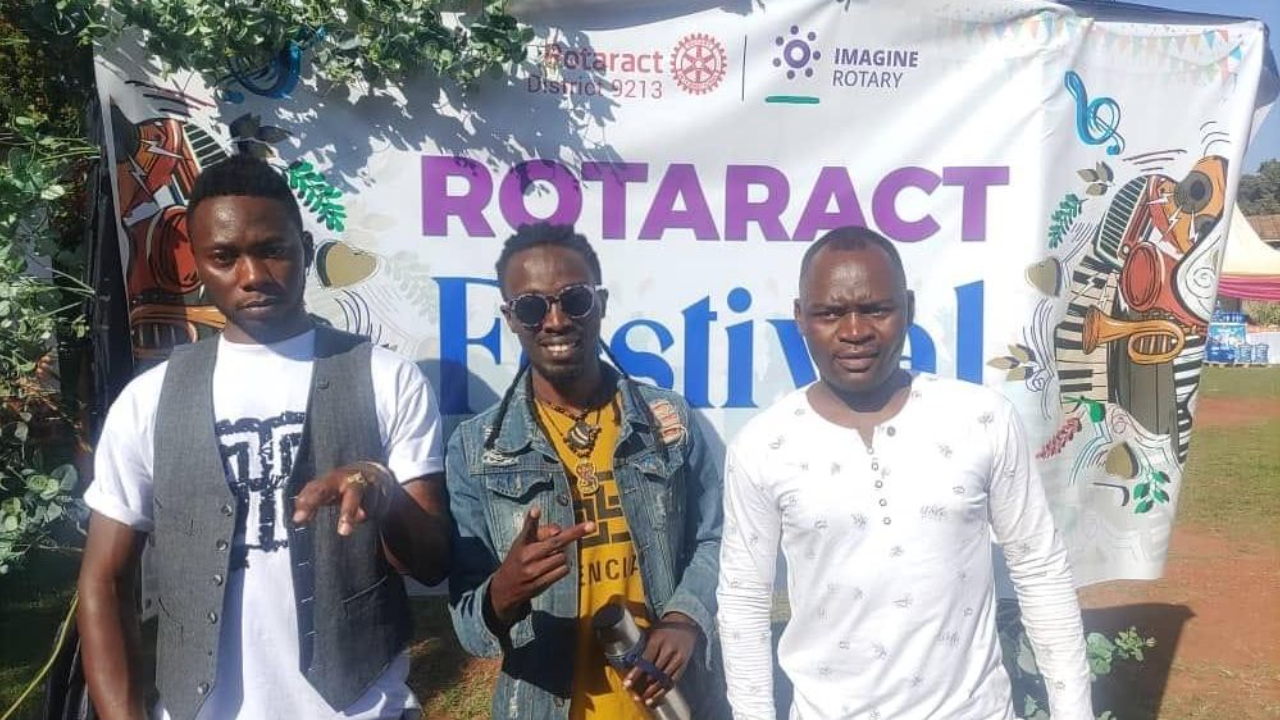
{"x": 244, "y": 176}
{"x": 544, "y": 233}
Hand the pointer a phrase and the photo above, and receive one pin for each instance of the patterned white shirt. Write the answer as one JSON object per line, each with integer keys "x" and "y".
{"x": 889, "y": 563}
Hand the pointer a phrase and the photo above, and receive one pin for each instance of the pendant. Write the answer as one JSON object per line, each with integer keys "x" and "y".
{"x": 581, "y": 438}
{"x": 588, "y": 481}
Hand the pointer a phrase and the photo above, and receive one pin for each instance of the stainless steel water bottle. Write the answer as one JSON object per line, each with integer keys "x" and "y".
{"x": 623, "y": 642}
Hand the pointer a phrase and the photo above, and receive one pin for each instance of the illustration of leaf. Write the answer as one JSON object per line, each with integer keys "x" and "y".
{"x": 1144, "y": 507}
{"x": 1021, "y": 352}
{"x": 1096, "y": 190}
{"x": 1161, "y": 496}
{"x": 1141, "y": 490}
{"x": 1105, "y": 171}
{"x": 1088, "y": 175}
{"x": 1097, "y": 412}
{"x": 1160, "y": 477}
{"x": 1003, "y": 363}
{"x": 1018, "y": 374}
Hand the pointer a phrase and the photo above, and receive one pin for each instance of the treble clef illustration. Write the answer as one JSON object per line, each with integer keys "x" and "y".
{"x": 1097, "y": 121}
{"x": 278, "y": 78}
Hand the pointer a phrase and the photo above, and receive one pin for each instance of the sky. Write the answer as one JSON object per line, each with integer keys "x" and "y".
{"x": 1266, "y": 143}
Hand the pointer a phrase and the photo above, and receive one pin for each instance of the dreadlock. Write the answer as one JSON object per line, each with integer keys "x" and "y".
{"x": 545, "y": 234}
{"x": 630, "y": 386}
{"x": 632, "y": 389}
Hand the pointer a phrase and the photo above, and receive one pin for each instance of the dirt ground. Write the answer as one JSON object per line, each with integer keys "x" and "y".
{"x": 1217, "y": 622}
{"x": 1221, "y": 412}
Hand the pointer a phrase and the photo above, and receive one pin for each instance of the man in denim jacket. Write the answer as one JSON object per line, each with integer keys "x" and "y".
{"x": 579, "y": 489}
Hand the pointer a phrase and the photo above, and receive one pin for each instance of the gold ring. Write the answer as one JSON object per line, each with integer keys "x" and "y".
{"x": 357, "y": 478}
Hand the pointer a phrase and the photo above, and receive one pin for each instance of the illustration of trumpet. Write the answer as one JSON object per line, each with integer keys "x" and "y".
{"x": 1150, "y": 342}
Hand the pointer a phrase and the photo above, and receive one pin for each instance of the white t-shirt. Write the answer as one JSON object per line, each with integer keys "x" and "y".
{"x": 260, "y": 402}
{"x": 889, "y": 571}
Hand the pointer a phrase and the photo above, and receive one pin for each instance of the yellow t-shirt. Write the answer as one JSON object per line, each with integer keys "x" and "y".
{"x": 607, "y": 564}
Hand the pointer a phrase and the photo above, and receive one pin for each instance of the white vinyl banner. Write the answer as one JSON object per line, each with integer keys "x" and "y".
{"x": 1058, "y": 179}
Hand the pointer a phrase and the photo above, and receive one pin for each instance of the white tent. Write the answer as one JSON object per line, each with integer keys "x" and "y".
{"x": 1251, "y": 268}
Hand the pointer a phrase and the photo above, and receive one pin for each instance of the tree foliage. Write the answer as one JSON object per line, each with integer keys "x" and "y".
{"x": 43, "y": 161}
{"x": 1263, "y": 313}
{"x": 1259, "y": 194}
{"x": 45, "y": 157}
{"x": 345, "y": 41}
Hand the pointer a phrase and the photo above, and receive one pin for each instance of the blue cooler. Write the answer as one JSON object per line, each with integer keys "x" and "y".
{"x": 1222, "y": 354}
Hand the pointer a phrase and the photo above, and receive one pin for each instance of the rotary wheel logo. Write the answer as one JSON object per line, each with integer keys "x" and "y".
{"x": 698, "y": 63}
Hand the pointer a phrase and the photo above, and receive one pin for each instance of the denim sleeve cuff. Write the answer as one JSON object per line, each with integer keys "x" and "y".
{"x": 481, "y": 640}
{"x": 518, "y": 635}
{"x": 685, "y": 603}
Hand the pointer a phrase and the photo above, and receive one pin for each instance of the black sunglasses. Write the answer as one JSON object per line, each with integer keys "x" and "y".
{"x": 576, "y": 301}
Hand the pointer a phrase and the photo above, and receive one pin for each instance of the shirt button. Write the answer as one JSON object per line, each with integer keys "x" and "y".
{"x": 221, "y": 545}
{"x": 879, "y": 483}
{"x": 875, "y": 466}
{"x": 562, "y": 499}
{"x": 887, "y": 521}
{"x": 871, "y": 451}
{"x": 228, "y": 510}
{"x": 202, "y": 689}
{"x": 213, "y": 618}
{"x": 217, "y": 579}
{"x": 891, "y": 431}
{"x": 883, "y": 502}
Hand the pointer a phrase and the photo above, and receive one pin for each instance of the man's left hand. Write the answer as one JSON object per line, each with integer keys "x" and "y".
{"x": 670, "y": 645}
{"x": 358, "y": 489}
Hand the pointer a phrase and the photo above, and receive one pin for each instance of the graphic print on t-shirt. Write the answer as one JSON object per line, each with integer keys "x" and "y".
{"x": 603, "y": 508}
{"x": 258, "y": 456}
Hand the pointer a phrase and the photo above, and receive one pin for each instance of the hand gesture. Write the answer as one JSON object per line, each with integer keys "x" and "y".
{"x": 534, "y": 563}
{"x": 358, "y": 489}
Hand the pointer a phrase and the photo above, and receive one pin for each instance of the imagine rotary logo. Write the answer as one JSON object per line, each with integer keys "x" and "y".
{"x": 797, "y": 52}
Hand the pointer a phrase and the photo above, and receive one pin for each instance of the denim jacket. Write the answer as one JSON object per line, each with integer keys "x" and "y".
{"x": 671, "y": 497}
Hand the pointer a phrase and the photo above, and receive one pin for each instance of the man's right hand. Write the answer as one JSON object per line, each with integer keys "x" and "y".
{"x": 534, "y": 563}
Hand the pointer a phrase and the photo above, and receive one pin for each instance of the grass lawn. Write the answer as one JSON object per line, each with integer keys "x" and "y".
{"x": 1233, "y": 473}
{"x": 1232, "y": 486}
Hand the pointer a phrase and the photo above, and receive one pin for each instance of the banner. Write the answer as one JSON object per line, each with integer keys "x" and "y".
{"x": 1057, "y": 179}
{"x": 1227, "y": 335}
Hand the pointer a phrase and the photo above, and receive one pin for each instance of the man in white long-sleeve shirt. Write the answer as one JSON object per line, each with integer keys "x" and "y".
{"x": 883, "y": 489}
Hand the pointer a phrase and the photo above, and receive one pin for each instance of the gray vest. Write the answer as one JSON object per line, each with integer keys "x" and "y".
{"x": 353, "y": 614}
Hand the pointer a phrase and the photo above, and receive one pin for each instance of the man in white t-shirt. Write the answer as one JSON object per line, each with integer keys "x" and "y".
{"x": 257, "y": 619}
{"x": 883, "y": 489}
